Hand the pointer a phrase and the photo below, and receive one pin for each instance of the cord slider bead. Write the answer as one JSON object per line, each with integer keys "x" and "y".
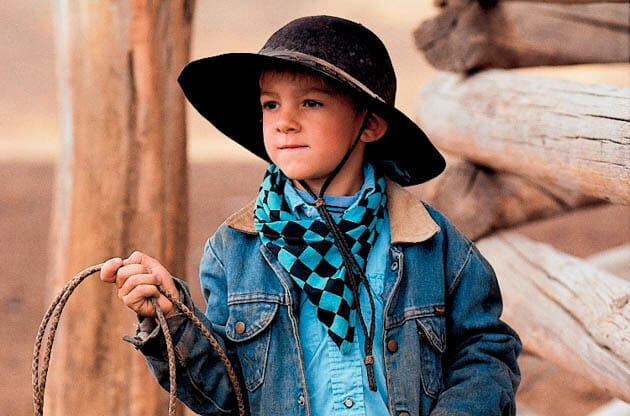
{"x": 369, "y": 359}
{"x": 319, "y": 202}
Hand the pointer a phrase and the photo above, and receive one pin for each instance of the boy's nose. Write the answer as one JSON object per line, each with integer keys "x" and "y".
{"x": 287, "y": 123}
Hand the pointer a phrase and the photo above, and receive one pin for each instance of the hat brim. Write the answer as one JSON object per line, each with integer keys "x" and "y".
{"x": 224, "y": 89}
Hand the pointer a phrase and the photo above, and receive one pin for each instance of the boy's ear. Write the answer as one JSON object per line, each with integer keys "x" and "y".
{"x": 375, "y": 129}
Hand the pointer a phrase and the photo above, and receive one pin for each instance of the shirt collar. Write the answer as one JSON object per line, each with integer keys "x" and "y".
{"x": 299, "y": 200}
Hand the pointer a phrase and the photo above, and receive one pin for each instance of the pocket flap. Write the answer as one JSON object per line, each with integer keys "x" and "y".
{"x": 246, "y": 320}
{"x": 433, "y": 329}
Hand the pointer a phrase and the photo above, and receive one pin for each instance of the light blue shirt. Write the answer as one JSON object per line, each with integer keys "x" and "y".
{"x": 337, "y": 383}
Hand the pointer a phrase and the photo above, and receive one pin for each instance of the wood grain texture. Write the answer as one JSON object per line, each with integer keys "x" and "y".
{"x": 467, "y": 36}
{"x": 573, "y": 135}
{"x": 122, "y": 185}
{"x": 615, "y": 261}
{"x": 615, "y": 407}
{"x": 572, "y": 1}
{"x": 565, "y": 310}
{"x": 480, "y": 201}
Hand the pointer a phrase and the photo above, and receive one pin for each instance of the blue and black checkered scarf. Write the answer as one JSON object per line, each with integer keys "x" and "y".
{"x": 307, "y": 251}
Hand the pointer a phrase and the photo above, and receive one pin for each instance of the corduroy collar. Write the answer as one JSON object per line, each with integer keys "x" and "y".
{"x": 409, "y": 220}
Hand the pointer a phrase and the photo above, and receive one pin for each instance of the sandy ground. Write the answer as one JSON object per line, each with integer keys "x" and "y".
{"x": 219, "y": 188}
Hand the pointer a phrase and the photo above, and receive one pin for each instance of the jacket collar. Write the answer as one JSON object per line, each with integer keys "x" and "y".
{"x": 409, "y": 220}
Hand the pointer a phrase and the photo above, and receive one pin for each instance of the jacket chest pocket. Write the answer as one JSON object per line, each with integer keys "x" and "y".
{"x": 432, "y": 344}
{"x": 248, "y": 327}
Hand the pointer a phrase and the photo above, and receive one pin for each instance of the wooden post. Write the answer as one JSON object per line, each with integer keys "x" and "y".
{"x": 570, "y": 134}
{"x": 468, "y": 36}
{"x": 122, "y": 185}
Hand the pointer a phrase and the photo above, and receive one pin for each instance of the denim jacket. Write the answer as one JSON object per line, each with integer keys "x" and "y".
{"x": 446, "y": 352}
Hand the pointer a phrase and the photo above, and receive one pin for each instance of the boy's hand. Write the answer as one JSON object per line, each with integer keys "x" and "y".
{"x": 136, "y": 279}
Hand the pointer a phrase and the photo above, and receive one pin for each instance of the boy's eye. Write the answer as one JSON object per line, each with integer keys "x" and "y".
{"x": 269, "y": 105}
{"x": 312, "y": 103}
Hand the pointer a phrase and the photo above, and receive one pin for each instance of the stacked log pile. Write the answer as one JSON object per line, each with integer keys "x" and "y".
{"x": 523, "y": 147}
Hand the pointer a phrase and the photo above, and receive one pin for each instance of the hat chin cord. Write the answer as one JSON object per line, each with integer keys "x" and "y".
{"x": 354, "y": 273}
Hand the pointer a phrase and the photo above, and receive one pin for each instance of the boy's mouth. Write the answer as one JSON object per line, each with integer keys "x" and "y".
{"x": 292, "y": 147}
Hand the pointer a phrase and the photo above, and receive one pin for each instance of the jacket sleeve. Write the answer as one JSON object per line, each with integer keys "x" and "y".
{"x": 481, "y": 373}
{"x": 202, "y": 381}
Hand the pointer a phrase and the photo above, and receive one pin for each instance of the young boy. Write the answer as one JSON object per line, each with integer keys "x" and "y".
{"x": 335, "y": 292}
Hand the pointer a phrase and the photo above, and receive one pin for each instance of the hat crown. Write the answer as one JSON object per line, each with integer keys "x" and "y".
{"x": 344, "y": 44}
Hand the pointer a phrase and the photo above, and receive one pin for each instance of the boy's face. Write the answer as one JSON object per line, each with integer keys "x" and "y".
{"x": 308, "y": 126}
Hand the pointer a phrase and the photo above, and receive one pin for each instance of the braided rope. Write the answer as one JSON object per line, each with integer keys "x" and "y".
{"x": 172, "y": 378}
{"x": 51, "y": 320}
{"x": 213, "y": 342}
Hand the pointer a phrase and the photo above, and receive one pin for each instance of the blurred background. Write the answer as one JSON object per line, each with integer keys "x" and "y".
{"x": 29, "y": 105}
{"x": 223, "y": 177}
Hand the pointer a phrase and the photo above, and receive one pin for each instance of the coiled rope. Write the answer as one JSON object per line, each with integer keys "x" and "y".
{"x": 53, "y": 314}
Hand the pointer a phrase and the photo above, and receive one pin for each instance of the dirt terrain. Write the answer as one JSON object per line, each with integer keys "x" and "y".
{"x": 217, "y": 189}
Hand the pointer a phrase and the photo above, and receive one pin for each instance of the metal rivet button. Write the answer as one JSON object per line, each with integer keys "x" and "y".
{"x": 394, "y": 265}
{"x": 240, "y": 327}
{"x": 404, "y": 414}
{"x": 392, "y": 345}
{"x": 348, "y": 402}
{"x": 301, "y": 399}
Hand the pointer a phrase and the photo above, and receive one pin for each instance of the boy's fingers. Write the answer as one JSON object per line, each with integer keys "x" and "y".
{"x": 138, "y": 295}
{"x": 138, "y": 300}
{"x": 138, "y": 257}
{"x": 137, "y": 280}
{"x": 166, "y": 306}
{"x": 109, "y": 268}
{"x": 125, "y": 272}
{"x": 134, "y": 258}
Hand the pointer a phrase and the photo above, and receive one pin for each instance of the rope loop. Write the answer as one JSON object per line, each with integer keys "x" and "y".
{"x": 51, "y": 321}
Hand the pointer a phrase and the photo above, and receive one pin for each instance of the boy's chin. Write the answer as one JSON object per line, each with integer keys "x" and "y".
{"x": 310, "y": 180}
{"x": 296, "y": 174}
{"x": 301, "y": 177}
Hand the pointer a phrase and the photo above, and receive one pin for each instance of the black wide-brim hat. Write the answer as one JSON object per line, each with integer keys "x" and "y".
{"x": 225, "y": 90}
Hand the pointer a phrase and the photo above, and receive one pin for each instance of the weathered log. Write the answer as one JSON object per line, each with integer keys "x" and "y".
{"x": 573, "y": 135}
{"x": 615, "y": 261}
{"x": 467, "y": 36}
{"x": 565, "y": 310}
{"x": 613, "y": 408}
{"x": 572, "y": 1}
{"x": 480, "y": 201}
{"x": 543, "y": 381}
{"x": 121, "y": 185}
